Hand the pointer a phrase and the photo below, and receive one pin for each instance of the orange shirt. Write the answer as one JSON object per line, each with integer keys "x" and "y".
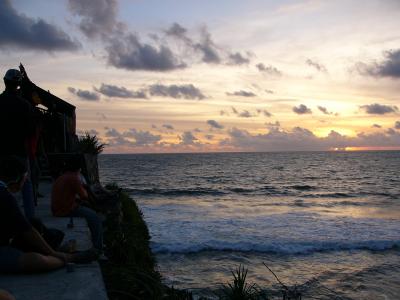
{"x": 66, "y": 189}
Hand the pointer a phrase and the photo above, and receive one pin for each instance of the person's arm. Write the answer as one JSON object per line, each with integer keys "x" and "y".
{"x": 36, "y": 242}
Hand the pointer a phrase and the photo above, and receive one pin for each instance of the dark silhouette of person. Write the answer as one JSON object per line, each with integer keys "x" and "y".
{"x": 17, "y": 125}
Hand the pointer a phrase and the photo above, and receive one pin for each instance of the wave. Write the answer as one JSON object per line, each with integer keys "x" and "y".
{"x": 275, "y": 248}
{"x": 176, "y": 192}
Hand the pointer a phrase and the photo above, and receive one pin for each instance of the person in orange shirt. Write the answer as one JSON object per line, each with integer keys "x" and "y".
{"x": 68, "y": 194}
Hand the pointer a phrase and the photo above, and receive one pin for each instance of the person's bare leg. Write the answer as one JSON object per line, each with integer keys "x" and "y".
{"x": 4, "y": 295}
{"x": 34, "y": 262}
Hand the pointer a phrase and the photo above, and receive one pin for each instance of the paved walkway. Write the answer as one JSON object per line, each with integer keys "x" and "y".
{"x": 86, "y": 282}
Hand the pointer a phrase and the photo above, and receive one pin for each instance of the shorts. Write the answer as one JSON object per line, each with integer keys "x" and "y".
{"x": 9, "y": 259}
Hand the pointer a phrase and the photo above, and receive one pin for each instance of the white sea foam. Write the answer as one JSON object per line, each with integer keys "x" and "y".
{"x": 197, "y": 228}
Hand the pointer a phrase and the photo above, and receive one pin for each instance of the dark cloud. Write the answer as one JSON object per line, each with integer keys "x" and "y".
{"x": 186, "y": 91}
{"x": 238, "y": 59}
{"x": 98, "y": 17}
{"x": 270, "y": 70}
{"x": 269, "y": 91}
{"x": 245, "y": 114}
{"x": 389, "y": 67}
{"x": 324, "y": 110}
{"x": 153, "y": 126}
{"x": 125, "y": 51}
{"x": 168, "y": 126}
{"x": 209, "y": 137}
{"x": 397, "y": 125}
{"x": 119, "y": 92}
{"x": 235, "y": 111}
{"x": 302, "y": 110}
{"x": 265, "y": 112}
{"x": 214, "y": 124}
{"x": 242, "y": 93}
{"x": 208, "y": 50}
{"x": 84, "y": 95}
{"x": 376, "y": 126}
{"x": 316, "y": 65}
{"x": 379, "y": 109}
{"x": 197, "y": 130}
{"x": 20, "y": 31}
{"x": 187, "y": 138}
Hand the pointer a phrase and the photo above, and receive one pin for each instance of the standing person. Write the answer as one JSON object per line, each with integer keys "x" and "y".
{"x": 69, "y": 194}
{"x": 16, "y": 127}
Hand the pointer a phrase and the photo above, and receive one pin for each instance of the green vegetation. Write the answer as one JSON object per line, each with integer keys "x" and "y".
{"x": 90, "y": 144}
{"x": 131, "y": 271}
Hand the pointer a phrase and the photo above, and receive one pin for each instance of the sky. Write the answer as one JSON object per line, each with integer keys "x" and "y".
{"x": 150, "y": 76}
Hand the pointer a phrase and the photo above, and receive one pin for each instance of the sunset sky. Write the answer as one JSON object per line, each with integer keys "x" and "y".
{"x": 225, "y": 75}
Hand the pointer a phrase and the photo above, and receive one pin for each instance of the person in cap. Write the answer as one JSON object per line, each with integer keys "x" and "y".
{"x": 17, "y": 125}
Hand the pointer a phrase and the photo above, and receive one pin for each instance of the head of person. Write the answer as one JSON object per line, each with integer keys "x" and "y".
{"x": 12, "y": 79}
{"x": 73, "y": 164}
{"x": 13, "y": 173}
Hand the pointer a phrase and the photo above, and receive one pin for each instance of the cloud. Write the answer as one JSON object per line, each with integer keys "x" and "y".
{"x": 234, "y": 110}
{"x": 238, "y": 59}
{"x": 209, "y": 137}
{"x": 185, "y": 91}
{"x": 324, "y": 110}
{"x": 20, "y": 31}
{"x": 270, "y": 70}
{"x": 84, "y": 95}
{"x": 245, "y": 114}
{"x": 209, "y": 51}
{"x": 125, "y": 51}
{"x": 90, "y": 131}
{"x": 119, "y": 92}
{"x": 379, "y": 109}
{"x": 302, "y": 110}
{"x": 187, "y": 138}
{"x": 269, "y": 91}
{"x": 168, "y": 126}
{"x": 101, "y": 116}
{"x": 376, "y": 126}
{"x": 301, "y": 139}
{"x": 265, "y": 112}
{"x": 98, "y": 17}
{"x": 242, "y": 93}
{"x": 316, "y": 65}
{"x": 389, "y": 67}
{"x": 112, "y": 132}
{"x": 397, "y": 125}
{"x": 142, "y": 138}
{"x": 214, "y": 124}
{"x": 131, "y": 137}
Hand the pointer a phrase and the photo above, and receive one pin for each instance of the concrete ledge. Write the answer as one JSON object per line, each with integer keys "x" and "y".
{"x": 86, "y": 282}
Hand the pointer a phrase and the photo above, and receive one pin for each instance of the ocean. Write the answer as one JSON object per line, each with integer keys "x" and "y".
{"x": 328, "y": 222}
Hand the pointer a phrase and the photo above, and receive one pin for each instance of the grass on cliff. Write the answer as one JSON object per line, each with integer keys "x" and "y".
{"x": 131, "y": 271}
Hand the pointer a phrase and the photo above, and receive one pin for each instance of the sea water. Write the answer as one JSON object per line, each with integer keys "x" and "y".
{"x": 326, "y": 221}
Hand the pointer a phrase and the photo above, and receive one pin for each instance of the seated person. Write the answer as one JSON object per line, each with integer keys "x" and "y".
{"x": 67, "y": 197}
{"x": 15, "y": 227}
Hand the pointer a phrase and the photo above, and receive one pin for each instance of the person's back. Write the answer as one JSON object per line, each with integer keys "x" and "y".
{"x": 16, "y": 121}
{"x": 64, "y": 193}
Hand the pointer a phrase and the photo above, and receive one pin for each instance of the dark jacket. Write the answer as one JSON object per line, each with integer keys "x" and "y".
{"x": 16, "y": 124}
